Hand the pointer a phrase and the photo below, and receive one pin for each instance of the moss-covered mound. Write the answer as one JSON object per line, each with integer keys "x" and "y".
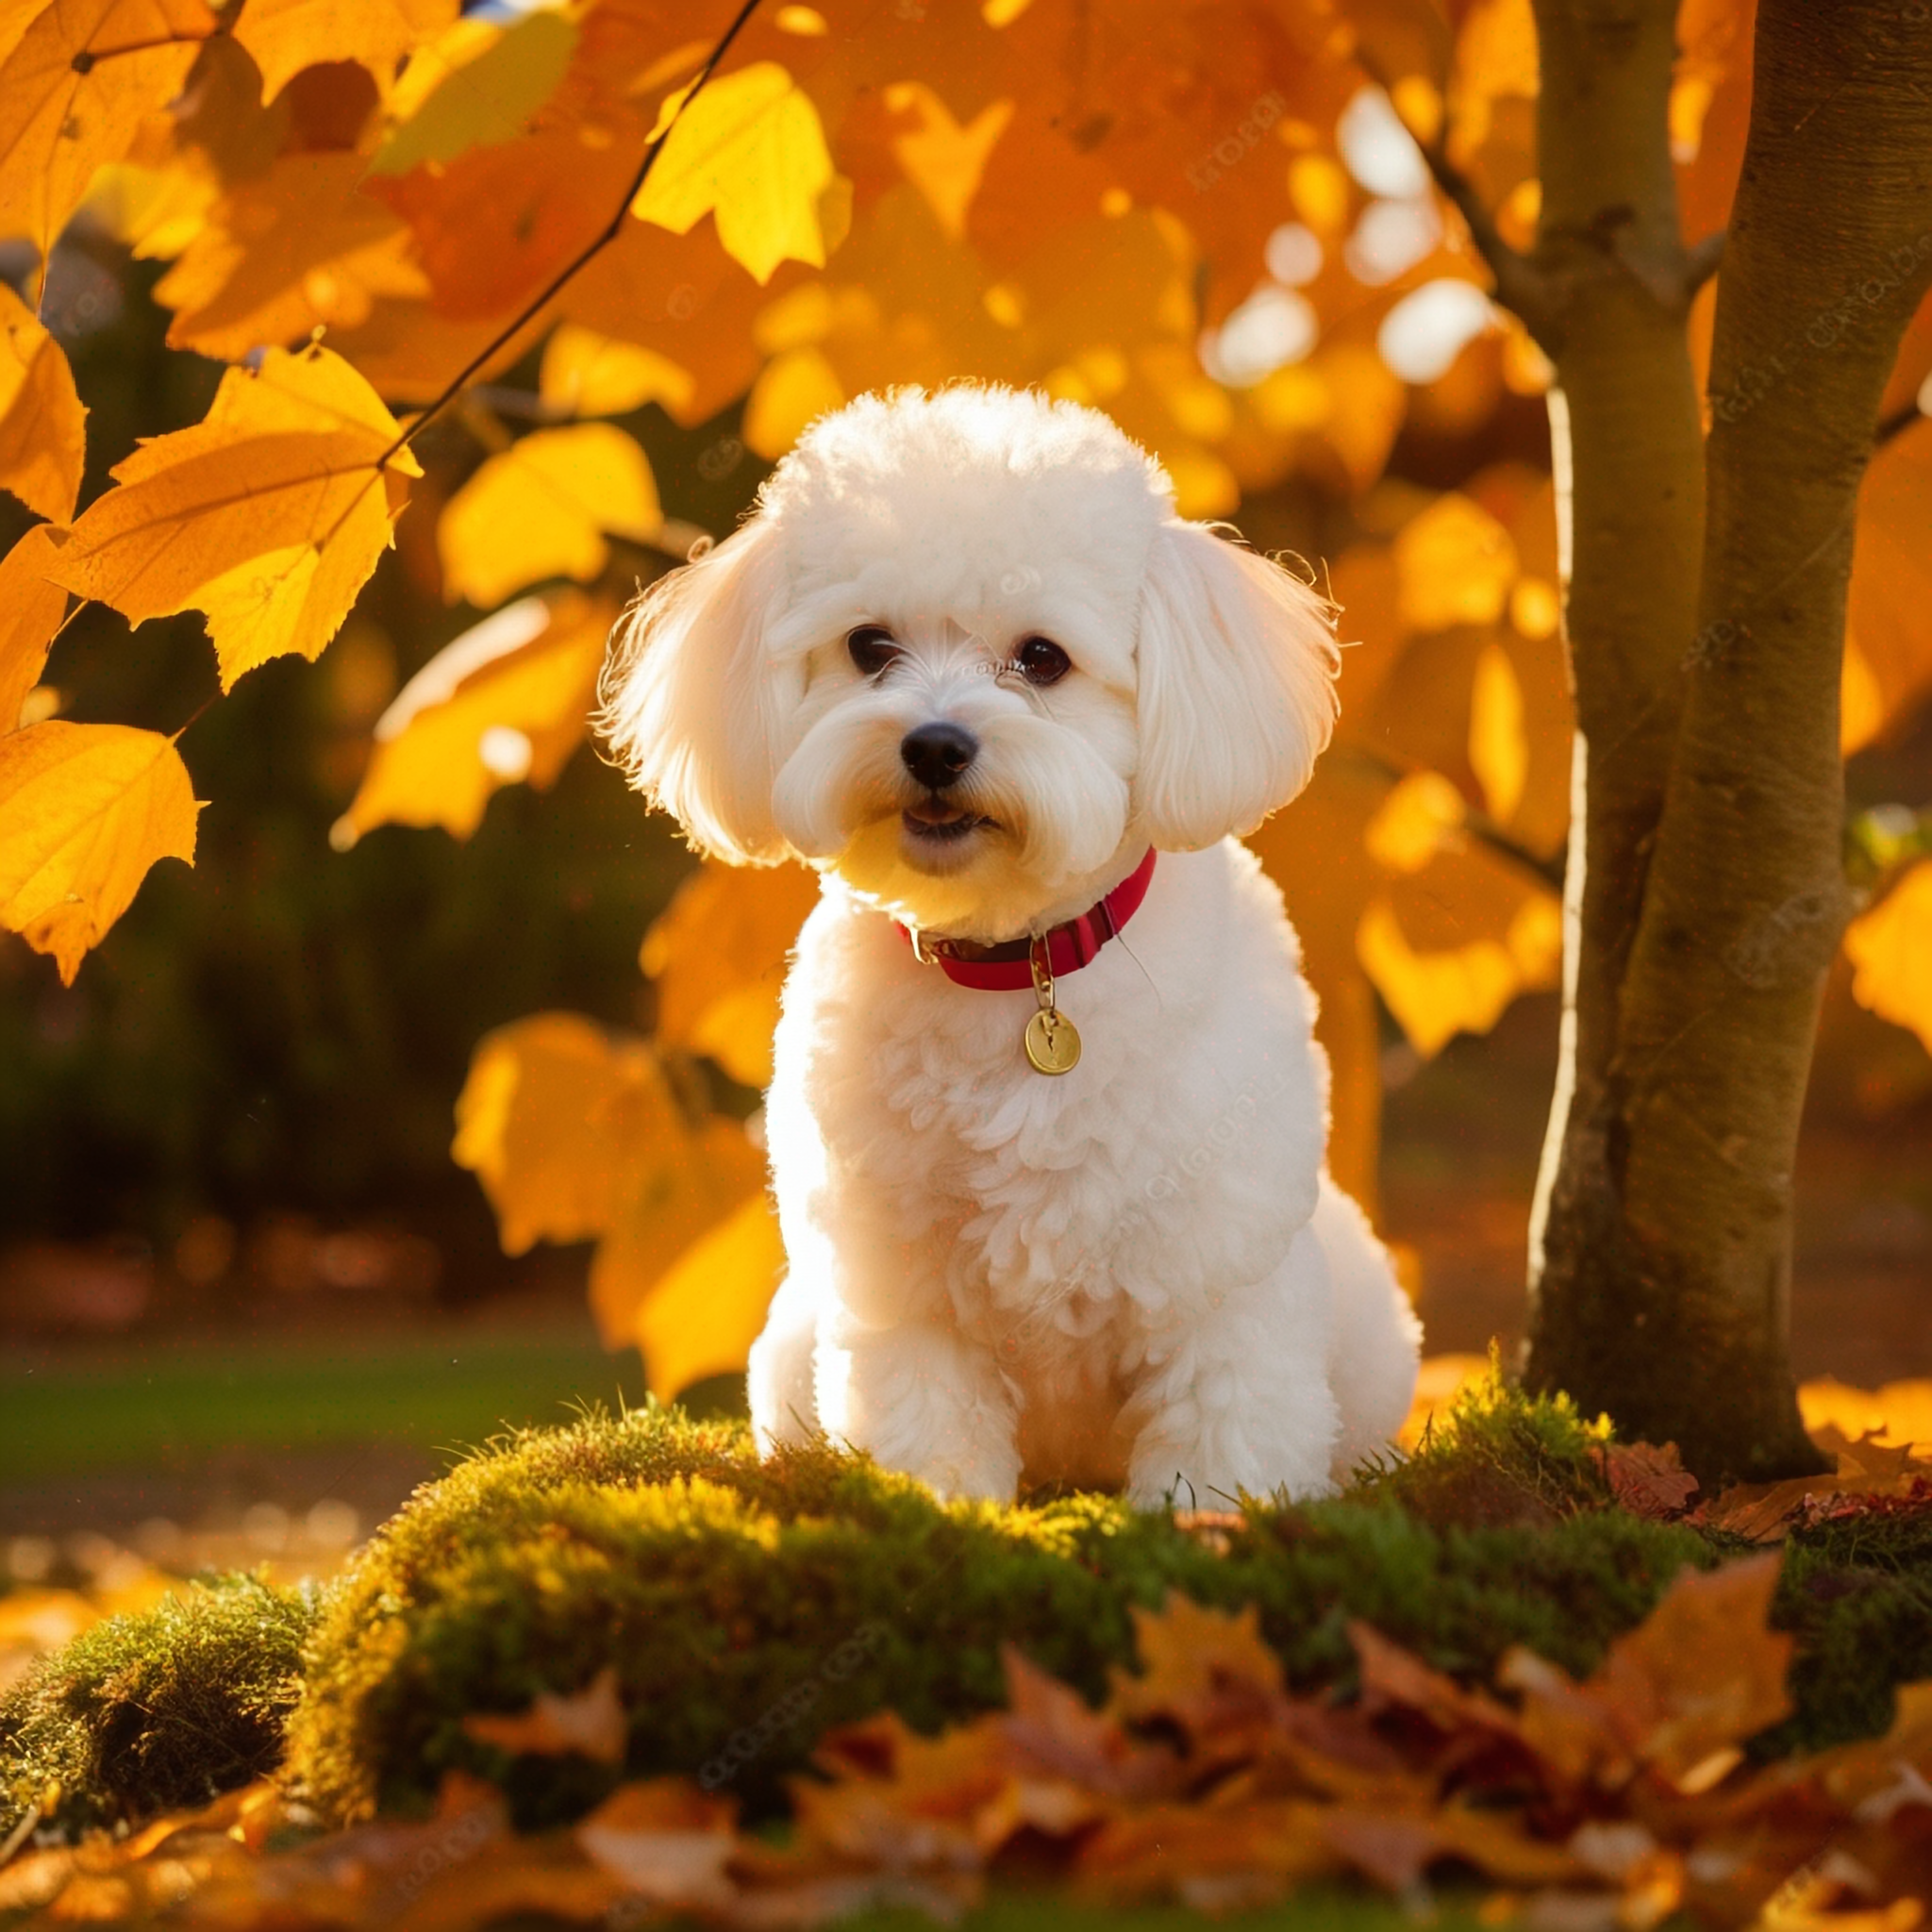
{"x": 156, "y": 1710}
{"x": 746, "y": 1606}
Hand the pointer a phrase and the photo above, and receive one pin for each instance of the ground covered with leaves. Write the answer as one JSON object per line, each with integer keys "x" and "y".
{"x": 625, "y": 1667}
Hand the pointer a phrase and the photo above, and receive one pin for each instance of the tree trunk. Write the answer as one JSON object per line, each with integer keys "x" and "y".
{"x": 1614, "y": 286}
{"x": 1666, "y": 1245}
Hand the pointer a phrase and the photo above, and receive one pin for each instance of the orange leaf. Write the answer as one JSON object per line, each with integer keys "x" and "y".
{"x": 42, "y": 426}
{"x": 1704, "y": 1673}
{"x": 84, "y": 810}
{"x": 70, "y": 101}
{"x": 590, "y": 1724}
{"x": 718, "y": 954}
{"x": 1646, "y": 1480}
{"x": 508, "y": 701}
{"x": 700, "y": 1316}
{"x": 1890, "y": 948}
{"x": 284, "y": 254}
{"x": 30, "y": 612}
{"x": 285, "y": 35}
{"x": 1198, "y": 1665}
{"x": 268, "y": 516}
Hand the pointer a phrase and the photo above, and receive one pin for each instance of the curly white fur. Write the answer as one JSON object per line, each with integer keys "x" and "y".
{"x": 1138, "y": 1271}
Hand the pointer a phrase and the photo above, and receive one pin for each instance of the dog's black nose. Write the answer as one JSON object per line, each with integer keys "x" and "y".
{"x": 936, "y": 755}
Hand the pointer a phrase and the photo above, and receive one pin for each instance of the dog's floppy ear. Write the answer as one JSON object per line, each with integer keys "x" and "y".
{"x": 1237, "y": 662}
{"x": 690, "y": 701}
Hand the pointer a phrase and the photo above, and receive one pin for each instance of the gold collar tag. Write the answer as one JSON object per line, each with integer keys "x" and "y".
{"x": 1050, "y": 1039}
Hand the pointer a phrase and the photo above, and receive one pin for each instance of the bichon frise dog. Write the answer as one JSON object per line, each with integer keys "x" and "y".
{"x": 1048, "y": 1117}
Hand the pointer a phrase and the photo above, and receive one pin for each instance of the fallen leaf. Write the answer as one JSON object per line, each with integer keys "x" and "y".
{"x": 590, "y": 1723}
{"x": 42, "y": 424}
{"x": 542, "y": 509}
{"x": 84, "y": 810}
{"x": 1200, "y": 1667}
{"x": 268, "y": 516}
{"x": 1646, "y": 1480}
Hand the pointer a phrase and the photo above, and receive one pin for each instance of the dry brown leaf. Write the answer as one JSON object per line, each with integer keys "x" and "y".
{"x": 590, "y": 1723}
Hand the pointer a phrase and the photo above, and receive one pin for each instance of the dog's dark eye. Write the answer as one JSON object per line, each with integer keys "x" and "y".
{"x": 1042, "y": 661}
{"x": 872, "y": 649}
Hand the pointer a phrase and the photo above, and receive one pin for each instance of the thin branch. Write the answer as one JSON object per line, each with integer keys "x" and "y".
{"x": 1701, "y": 263}
{"x": 1893, "y": 427}
{"x": 1479, "y": 826}
{"x": 1521, "y": 286}
{"x": 598, "y": 243}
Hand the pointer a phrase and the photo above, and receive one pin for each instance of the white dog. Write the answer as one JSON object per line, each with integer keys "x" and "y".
{"x": 1048, "y": 1119}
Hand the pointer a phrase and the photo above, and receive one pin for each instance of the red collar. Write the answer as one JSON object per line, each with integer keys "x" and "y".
{"x": 1008, "y": 968}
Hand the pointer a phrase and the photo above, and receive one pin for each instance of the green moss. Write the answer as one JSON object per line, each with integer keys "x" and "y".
{"x": 154, "y": 1710}
{"x": 748, "y": 1607}
{"x": 1857, "y": 1592}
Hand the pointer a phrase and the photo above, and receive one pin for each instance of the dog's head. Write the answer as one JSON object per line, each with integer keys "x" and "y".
{"x": 965, "y": 654}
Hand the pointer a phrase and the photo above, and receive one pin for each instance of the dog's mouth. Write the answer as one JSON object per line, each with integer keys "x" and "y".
{"x": 935, "y": 822}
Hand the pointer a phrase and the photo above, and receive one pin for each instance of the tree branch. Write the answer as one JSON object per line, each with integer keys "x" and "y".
{"x": 584, "y": 257}
{"x": 1702, "y": 262}
{"x": 1520, "y": 286}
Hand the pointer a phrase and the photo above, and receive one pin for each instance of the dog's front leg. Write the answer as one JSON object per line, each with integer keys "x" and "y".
{"x": 920, "y": 1398}
{"x": 1234, "y": 1399}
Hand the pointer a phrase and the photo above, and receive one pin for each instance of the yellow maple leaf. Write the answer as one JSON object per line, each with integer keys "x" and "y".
{"x": 475, "y": 86}
{"x": 700, "y": 1316}
{"x": 1891, "y": 950}
{"x": 84, "y": 810}
{"x": 793, "y": 390}
{"x": 718, "y": 954}
{"x": 66, "y": 107}
{"x": 1498, "y": 749}
{"x": 42, "y": 426}
{"x": 30, "y": 613}
{"x": 750, "y": 152}
{"x": 268, "y": 516}
{"x": 1454, "y": 564}
{"x": 575, "y": 1134}
{"x": 1449, "y": 945}
{"x": 591, "y": 374}
{"x": 285, "y": 35}
{"x": 541, "y": 508}
{"x": 687, "y": 1183}
{"x": 285, "y": 252}
{"x": 506, "y": 702}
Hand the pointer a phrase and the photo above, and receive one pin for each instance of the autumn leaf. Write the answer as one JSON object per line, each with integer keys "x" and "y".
{"x": 718, "y": 955}
{"x": 542, "y": 509}
{"x": 477, "y": 86}
{"x": 700, "y": 1316}
{"x": 84, "y": 810}
{"x": 42, "y": 426}
{"x": 591, "y": 374}
{"x": 1646, "y": 1480}
{"x": 1196, "y": 1663}
{"x": 268, "y": 516}
{"x": 70, "y": 100}
{"x": 1891, "y": 950}
{"x": 30, "y": 612}
{"x": 575, "y": 1134}
{"x": 505, "y": 703}
{"x": 286, "y": 253}
{"x": 286, "y": 36}
{"x": 591, "y": 1725}
{"x": 749, "y": 151}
